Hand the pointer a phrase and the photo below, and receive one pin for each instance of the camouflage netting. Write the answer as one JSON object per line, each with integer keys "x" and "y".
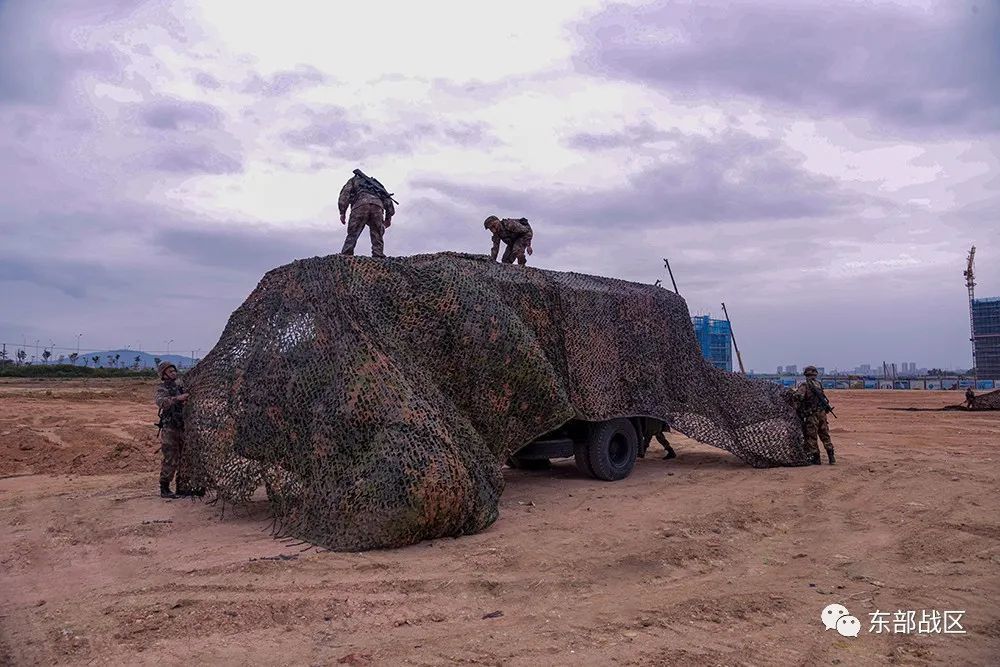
{"x": 376, "y": 400}
{"x": 988, "y": 401}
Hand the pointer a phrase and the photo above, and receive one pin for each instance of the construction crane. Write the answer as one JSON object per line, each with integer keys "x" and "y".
{"x": 970, "y": 283}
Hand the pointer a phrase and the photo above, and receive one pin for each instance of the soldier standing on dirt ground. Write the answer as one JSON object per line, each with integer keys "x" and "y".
{"x": 368, "y": 199}
{"x": 170, "y": 398}
{"x": 515, "y": 232}
{"x": 970, "y": 398}
{"x": 812, "y": 406}
{"x": 662, "y": 439}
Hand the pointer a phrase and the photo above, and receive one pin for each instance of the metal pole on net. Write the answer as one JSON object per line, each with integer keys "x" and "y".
{"x": 674, "y": 282}
{"x": 732, "y": 335}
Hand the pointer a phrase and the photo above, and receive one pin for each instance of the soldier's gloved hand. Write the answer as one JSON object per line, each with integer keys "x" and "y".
{"x": 182, "y": 397}
{"x": 388, "y": 222}
{"x": 343, "y": 218}
{"x": 529, "y": 250}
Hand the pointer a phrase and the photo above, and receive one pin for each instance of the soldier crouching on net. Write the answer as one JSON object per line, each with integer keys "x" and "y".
{"x": 812, "y": 405}
{"x": 170, "y": 398}
{"x": 368, "y": 200}
{"x": 515, "y": 232}
{"x": 970, "y": 399}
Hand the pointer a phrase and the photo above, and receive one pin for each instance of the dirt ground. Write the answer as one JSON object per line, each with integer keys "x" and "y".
{"x": 696, "y": 561}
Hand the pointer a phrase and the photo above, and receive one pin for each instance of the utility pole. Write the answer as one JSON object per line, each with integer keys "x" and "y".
{"x": 667, "y": 263}
{"x": 733, "y": 336}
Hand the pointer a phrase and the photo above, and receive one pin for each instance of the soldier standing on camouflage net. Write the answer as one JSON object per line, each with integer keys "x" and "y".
{"x": 515, "y": 232}
{"x": 367, "y": 200}
{"x": 812, "y": 406}
{"x": 170, "y": 398}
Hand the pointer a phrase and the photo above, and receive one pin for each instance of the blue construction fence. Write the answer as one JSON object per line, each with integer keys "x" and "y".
{"x": 926, "y": 384}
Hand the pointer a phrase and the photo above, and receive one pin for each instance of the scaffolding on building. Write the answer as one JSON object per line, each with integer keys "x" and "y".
{"x": 715, "y": 339}
{"x": 986, "y": 337}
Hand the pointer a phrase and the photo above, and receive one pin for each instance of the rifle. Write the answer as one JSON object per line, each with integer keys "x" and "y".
{"x": 169, "y": 416}
{"x": 378, "y": 187}
{"x": 824, "y": 402}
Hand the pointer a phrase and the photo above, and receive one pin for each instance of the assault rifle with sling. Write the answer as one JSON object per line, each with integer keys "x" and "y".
{"x": 823, "y": 401}
{"x": 375, "y": 185}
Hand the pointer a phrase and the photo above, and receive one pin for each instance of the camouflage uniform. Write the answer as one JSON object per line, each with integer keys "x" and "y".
{"x": 171, "y": 435}
{"x": 970, "y": 398}
{"x": 366, "y": 209}
{"x": 516, "y": 233}
{"x": 814, "y": 423}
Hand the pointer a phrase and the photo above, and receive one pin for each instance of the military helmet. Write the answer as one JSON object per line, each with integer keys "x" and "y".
{"x": 162, "y": 367}
{"x": 810, "y": 370}
{"x": 487, "y": 221}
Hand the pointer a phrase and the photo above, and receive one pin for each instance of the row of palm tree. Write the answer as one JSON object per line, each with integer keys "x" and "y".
{"x": 114, "y": 360}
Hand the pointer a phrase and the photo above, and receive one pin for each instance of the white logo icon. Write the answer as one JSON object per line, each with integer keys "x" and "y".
{"x": 848, "y": 626}
{"x": 833, "y": 613}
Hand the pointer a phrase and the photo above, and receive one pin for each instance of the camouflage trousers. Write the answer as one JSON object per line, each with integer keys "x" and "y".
{"x": 515, "y": 250}
{"x": 816, "y": 428}
{"x": 370, "y": 215}
{"x": 172, "y": 448}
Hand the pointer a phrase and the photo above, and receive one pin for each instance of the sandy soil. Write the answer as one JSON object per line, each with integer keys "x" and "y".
{"x": 696, "y": 561}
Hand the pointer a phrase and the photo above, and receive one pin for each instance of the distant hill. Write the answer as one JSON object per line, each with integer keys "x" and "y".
{"x": 127, "y": 359}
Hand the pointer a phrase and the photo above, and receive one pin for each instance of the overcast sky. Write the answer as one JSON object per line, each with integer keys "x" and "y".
{"x": 822, "y": 167}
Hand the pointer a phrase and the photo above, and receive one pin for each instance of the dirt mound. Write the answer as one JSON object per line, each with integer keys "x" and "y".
{"x": 78, "y": 427}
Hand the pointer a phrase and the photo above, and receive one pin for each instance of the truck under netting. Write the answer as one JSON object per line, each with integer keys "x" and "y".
{"x": 377, "y": 400}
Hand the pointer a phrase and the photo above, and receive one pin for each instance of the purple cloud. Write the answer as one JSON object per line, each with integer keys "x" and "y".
{"x": 904, "y": 67}
{"x": 731, "y": 177}
{"x": 285, "y": 81}
{"x": 199, "y": 159}
{"x": 180, "y": 114}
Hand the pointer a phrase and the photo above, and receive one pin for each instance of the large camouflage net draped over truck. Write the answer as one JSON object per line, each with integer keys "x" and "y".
{"x": 377, "y": 400}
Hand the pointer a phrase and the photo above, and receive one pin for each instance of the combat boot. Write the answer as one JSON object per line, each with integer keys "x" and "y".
{"x": 815, "y": 460}
{"x": 165, "y": 491}
{"x": 829, "y": 455}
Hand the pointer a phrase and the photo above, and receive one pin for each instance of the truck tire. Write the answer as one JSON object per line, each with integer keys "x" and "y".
{"x": 612, "y": 448}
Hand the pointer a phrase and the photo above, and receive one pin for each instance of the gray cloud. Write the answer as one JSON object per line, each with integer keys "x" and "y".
{"x": 285, "y": 81}
{"x": 35, "y": 65}
{"x": 334, "y": 131}
{"x": 247, "y": 248}
{"x": 330, "y": 129}
{"x": 180, "y": 114}
{"x": 631, "y": 136}
{"x": 195, "y": 159}
{"x": 901, "y": 66}
{"x": 206, "y": 80}
{"x": 72, "y": 278}
{"x": 728, "y": 178}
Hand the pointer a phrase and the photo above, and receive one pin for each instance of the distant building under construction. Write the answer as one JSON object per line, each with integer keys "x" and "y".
{"x": 986, "y": 336}
{"x": 715, "y": 339}
{"x": 984, "y": 316}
